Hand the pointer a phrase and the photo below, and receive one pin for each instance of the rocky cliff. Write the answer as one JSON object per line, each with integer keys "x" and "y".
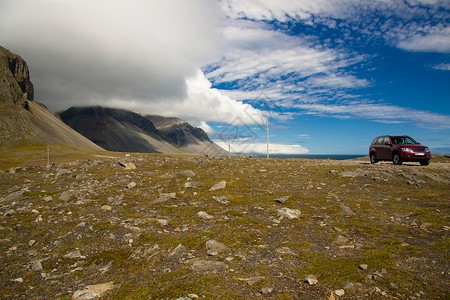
{"x": 15, "y": 84}
{"x": 24, "y": 121}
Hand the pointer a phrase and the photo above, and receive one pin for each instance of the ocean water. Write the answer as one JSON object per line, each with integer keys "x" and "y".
{"x": 314, "y": 156}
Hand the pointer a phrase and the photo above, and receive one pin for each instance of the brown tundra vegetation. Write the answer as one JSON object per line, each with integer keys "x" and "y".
{"x": 145, "y": 226}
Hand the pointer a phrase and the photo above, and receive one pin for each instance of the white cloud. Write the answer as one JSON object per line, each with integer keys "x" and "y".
{"x": 379, "y": 113}
{"x": 253, "y": 146}
{"x": 438, "y": 41}
{"x": 144, "y": 56}
{"x": 444, "y": 67}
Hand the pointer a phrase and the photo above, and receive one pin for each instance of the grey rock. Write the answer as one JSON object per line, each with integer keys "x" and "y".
{"x": 285, "y": 251}
{"x": 93, "y": 291}
{"x": 127, "y": 165}
{"x": 206, "y": 265}
{"x": 131, "y": 185}
{"x": 204, "y": 215}
{"x": 178, "y": 252}
{"x": 348, "y": 285}
{"x": 219, "y": 186}
{"x": 67, "y": 196}
{"x": 346, "y": 210}
{"x": 36, "y": 265}
{"x": 16, "y": 196}
{"x": 363, "y": 266}
{"x": 74, "y": 254}
{"x": 339, "y": 292}
{"x": 193, "y": 184}
{"x": 187, "y": 173}
{"x": 252, "y": 280}
{"x": 222, "y": 200}
{"x": 282, "y": 200}
{"x": 214, "y": 247}
{"x": 341, "y": 239}
{"x": 311, "y": 279}
{"x": 288, "y": 213}
{"x": 266, "y": 290}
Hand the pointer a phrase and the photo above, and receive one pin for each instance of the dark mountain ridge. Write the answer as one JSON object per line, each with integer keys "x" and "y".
{"x": 125, "y": 131}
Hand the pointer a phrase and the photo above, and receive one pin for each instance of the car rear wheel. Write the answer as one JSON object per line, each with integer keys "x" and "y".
{"x": 396, "y": 159}
{"x": 373, "y": 158}
{"x": 425, "y": 162}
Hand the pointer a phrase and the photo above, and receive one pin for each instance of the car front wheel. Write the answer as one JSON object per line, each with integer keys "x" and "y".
{"x": 396, "y": 159}
{"x": 373, "y": 158}
{"x": 425, "y": 162}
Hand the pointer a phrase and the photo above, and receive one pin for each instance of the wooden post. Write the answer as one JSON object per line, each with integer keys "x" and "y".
{"x": 48, "y": 156}
{"x": 267, "y": 137}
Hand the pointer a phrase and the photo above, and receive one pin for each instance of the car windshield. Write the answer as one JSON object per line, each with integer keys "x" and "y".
{"x": 403, "y": 140}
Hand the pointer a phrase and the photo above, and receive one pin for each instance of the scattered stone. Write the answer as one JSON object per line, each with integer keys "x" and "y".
{"x": 204, "y": 215}
{"x": 67, "y": 196}
{"x": 48, "y": 198}
{"x": 206, "y": 265}
{"x": 94, "y": 291}
{"x": 127, "y": 165}
{"x": 311, "y": 279}
{"x": 16, "y": 196}
{"x": 222, "y": 200}
{"x": 214, "y": 247}
{"x": 348, "y": 285}
{"x": 36, "y": 265}
{"x": 178, "y": 252}
{"x": 341, "y": 239}
{"x": 339, "y": 292}
{"x": 347, "y": 211}
{"x": 219, "y": 186}
{"x": 288, "y": 213}
{"x": 193, "y": 184}
{"x": 266, "y": 290}
{"x": 106, "y": 208}
{"x": 187, "y": 173}
{"x": 163, "y": 222}
{"x": 74, "y": 255}
{"x": 252, "y": 280}
{"x": 131, "y": 185}
{"x": 20, "y": 279}
{"x": 168, "y": 195}
{"x": 285, "y": 251}
{"x": 363, "y": 266}
{"x": 282, "y": 200}
{"x": 31, "y": 243}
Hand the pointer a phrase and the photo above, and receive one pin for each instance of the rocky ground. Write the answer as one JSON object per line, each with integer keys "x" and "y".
{"x": 186, "y": 227}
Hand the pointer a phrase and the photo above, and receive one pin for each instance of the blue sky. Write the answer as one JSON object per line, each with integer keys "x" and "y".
{"x": 328, "y": 75}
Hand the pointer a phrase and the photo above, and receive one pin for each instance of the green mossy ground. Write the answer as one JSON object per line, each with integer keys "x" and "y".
{"x": 398, "y": 225}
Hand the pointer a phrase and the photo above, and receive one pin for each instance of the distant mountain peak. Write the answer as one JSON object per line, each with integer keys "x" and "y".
{"x": 126, "y": 131}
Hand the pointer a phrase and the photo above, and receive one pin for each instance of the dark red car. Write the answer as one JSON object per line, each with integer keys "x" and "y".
{"x": 398, "y": 149}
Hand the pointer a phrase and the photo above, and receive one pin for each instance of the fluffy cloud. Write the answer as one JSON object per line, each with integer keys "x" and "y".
{"x": 379, "y": 113}
{"x": 436, "y": 41}
{"x": 140, "y": 55}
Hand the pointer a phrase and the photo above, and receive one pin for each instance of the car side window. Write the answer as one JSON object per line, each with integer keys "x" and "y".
{"x": 380, "y": 141}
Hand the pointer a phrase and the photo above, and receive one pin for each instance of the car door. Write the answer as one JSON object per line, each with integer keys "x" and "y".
{"x": 385, "y": 150}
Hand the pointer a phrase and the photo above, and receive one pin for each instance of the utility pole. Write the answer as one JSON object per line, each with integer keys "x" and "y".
{"x": 48, "y": 156}
{"x": 229, "y": 145}
{"x": 267, "y": 137}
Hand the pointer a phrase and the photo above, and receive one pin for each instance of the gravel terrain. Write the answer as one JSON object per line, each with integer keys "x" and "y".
{"x": 187, "y": 227}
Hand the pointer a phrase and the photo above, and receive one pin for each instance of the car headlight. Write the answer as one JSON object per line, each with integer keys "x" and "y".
{"x": 407, "y": 150}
